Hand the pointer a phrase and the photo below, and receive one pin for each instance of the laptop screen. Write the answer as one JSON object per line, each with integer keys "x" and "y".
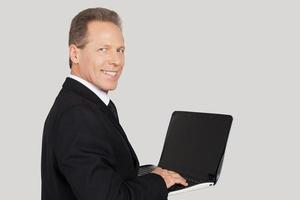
{"x": 195, "y": 143}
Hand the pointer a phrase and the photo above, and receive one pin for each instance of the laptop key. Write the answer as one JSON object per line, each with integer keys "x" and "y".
{"x": 179, "y": 186}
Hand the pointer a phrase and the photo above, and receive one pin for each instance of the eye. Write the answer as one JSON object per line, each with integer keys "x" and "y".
{"x": 102, "y": 49}
{"x": 121, "y": 50}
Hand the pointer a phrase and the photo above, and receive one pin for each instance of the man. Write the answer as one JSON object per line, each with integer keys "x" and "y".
{"x": 86, "y": 154}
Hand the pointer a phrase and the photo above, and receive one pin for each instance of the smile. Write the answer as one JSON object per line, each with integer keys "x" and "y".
{"x": 110, "y": 73}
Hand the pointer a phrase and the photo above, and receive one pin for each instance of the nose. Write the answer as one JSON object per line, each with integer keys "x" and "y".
{"x": 115, "y": 58}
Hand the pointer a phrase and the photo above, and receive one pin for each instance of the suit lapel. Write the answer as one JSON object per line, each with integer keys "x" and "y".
{"x": 123, "y": 135}
{"x": 71, "y": 84}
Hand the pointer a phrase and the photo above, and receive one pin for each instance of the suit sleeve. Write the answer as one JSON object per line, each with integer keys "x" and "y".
{"x": 86, "y": 160}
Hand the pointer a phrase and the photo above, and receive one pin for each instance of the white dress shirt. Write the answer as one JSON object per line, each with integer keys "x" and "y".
{"x": 100, "y": 93}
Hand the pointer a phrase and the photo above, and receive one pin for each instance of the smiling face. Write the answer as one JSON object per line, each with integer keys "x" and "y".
{"x": 101, "y": 60}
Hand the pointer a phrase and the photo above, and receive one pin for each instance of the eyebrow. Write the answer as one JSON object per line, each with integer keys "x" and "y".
{"x": 120, "y": 47}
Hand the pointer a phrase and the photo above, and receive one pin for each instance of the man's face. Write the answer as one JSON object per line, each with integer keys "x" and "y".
{"x": 101, "y": 60}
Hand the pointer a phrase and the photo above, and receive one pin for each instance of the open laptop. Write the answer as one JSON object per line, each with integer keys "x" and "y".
{"x": 194, "y": 147}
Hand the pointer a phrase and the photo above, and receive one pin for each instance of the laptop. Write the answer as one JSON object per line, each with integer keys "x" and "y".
{"x": 194, "y": 147}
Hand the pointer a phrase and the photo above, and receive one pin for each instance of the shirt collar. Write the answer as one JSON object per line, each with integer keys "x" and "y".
{"x": 100, "y": 93}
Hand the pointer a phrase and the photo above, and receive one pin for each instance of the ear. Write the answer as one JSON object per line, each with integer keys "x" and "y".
{"x": 74, "y": 53}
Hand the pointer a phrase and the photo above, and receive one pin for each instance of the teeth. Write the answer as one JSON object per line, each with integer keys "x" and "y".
{"x": 110, "y": 73}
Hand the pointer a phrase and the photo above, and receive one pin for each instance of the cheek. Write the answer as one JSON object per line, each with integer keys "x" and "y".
{"x": 84, "y": 60}
{"x": 99, "y": 60}
{"x": 122, "y": 58}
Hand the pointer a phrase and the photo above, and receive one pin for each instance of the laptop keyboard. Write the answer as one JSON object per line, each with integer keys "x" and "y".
{"x": 145, "y": 169}
{"x": 190, "y": 181}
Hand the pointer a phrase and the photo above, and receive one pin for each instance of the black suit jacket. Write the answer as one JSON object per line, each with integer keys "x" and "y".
{"x": 86, "y": 154}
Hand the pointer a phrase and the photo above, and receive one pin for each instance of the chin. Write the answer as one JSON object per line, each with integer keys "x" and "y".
{"x": 110, "y": 88}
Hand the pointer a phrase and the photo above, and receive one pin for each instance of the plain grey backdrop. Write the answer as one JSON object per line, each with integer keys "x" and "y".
{"x": 234, "y": 57}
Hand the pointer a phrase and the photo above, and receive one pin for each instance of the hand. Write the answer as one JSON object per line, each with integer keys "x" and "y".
{"x": 170, "y": 177}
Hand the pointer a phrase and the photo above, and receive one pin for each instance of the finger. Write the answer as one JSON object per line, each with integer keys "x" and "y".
{"x": 180, "y": 180}
{"x": 165, "y": 172}
{"x": 176, "y": 175}
{"x": 176, "y": 178}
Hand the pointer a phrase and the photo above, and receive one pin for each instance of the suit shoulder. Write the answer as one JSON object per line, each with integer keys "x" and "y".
{"x": 67, "y": 100}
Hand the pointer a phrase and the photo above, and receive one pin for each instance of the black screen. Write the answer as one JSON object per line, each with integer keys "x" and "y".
{"x": 195, "y": 143}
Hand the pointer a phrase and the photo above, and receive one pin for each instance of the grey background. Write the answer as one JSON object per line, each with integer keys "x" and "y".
{"x": 235, "y": 57}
